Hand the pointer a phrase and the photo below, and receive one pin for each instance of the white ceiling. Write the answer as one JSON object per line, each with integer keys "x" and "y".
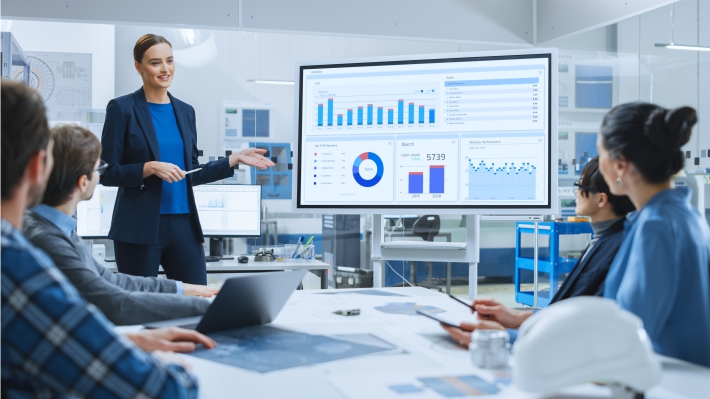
{"x": 510, "y": 22}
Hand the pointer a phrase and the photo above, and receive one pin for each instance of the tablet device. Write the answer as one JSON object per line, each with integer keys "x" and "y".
{"x": 442, "y": 320}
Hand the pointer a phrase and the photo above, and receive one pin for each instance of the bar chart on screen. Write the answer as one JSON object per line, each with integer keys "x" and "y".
{"x": 427, "y": 168}
{"x": 504, "y": 168}
{"x": 394, "y": 107}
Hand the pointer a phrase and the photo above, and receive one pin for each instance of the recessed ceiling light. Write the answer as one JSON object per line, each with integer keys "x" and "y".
{"x": 271, "y": 82}
{"x": 690, "y": 47}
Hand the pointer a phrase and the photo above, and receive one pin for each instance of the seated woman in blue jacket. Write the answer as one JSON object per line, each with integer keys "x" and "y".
{"x": 606, "y": 212}
{"x": 661, "y": 272}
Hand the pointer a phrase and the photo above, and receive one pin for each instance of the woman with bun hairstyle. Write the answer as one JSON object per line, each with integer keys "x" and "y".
{"x": 149, "y": 143}
{"x": 661, "y": 271}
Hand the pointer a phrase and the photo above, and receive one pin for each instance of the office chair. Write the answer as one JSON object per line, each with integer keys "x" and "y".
{"x": 427, "y": 227}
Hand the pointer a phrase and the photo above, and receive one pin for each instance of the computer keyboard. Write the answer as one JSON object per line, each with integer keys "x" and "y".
{"x": 212, "y": 258}
{"x": 189, "y": 326}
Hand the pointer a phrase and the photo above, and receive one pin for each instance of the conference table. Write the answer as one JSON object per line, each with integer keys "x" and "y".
{"x": 413, "y": 357}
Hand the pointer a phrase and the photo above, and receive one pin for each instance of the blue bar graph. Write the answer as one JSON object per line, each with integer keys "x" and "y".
{"x": 400, "y": 111}
{"x": 330, "y": 112}
{"x": 436, "y": 179}
{"x": 340, "y": 120}
{"x": 507, "y": 182}
{"x": 416, "y": 182}
{"x": 331, "y": 107}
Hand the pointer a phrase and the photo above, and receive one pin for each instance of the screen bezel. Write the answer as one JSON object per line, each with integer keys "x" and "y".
{"x": 543, "y": 209}
{"x": 104, "y": 237}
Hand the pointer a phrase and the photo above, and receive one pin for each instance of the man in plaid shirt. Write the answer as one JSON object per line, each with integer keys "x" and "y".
{"x": 55, "y": 344}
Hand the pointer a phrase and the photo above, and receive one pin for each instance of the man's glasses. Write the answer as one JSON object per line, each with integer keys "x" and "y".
{"x": 578, "y": 186}
{"x": 102, "y": 167}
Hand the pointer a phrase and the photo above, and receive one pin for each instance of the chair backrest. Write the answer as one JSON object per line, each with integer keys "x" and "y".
{"x": 427, "y": 227}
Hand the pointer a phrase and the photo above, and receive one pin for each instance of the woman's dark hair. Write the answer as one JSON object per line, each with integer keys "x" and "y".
{"x": 144, "y": 43}
{"x": 650, "y": 137}
{"x": 591, "y": 177}
{"x": 25, "y": 132}
{"x": 76, "y": 151}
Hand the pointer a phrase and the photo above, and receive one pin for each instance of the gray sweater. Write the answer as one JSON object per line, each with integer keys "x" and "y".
{"x": 124, "y": 299}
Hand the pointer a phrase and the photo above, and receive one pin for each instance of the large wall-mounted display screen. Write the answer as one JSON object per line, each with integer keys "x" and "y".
{"x": 470, "y": 133}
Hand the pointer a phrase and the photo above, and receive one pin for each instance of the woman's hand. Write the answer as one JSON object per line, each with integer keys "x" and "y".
{"x": 462, "y": 334}
{"x": 199, "y": 290}
{"x": 172, "y": 339}
{"x": 166, "y": 171}
{"x": 251, "y": 157}
{"x": 492, "y": 310}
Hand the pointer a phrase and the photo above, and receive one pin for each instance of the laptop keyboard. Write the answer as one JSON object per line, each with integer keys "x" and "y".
{"x": 189, "y": 326}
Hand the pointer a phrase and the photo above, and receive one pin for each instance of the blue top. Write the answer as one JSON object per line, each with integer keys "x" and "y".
{"x": 661, "y": 274}
{"x": 54, "y": 344}
{"x": 174, "y": 197}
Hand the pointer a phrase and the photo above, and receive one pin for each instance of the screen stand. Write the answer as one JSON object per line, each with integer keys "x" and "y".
{"x": 216, "y": 245}
{"x": 468, "y": 253}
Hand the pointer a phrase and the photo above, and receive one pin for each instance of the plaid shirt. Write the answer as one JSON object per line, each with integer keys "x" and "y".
{"x": 55, "y": 344}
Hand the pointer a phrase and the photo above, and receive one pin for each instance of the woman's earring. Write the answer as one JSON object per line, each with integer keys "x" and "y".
{"x": 618, "y": 181}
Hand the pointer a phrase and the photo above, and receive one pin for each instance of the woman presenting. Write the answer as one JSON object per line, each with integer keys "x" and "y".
{"x": 149, "y": 142}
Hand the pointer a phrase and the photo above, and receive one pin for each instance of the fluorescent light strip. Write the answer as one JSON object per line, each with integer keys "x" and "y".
{"x": 683, "y": 47}
{"x": 271, "y": 82}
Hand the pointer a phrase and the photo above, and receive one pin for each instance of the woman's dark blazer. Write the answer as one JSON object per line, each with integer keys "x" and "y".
{"x": 129, "y": 141}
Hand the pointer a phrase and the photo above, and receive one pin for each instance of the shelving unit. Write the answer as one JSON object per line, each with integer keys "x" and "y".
{"x": 553, "y": 265}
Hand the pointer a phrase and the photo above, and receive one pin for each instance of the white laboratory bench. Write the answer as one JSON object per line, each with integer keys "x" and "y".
{"x": 232, "y": 266}
{"x": 426, "y": 348}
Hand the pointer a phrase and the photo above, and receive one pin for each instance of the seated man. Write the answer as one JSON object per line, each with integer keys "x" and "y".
{"x": 124, "y": 299}
{"x": 55, "y": 344}
{"x": 607, "y": 213}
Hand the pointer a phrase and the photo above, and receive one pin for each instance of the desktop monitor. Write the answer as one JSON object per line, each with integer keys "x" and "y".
{"x": 457, "y": 133}
{"x": 225, "y": 210}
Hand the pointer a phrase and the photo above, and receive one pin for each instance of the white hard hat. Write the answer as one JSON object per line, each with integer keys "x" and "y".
{"x": 583, "y": 339}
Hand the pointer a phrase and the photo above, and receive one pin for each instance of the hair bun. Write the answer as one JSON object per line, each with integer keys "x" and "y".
{"x": 670, "y": 128}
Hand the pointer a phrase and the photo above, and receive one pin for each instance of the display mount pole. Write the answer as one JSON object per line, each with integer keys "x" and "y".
{"x": 535, "y": 265}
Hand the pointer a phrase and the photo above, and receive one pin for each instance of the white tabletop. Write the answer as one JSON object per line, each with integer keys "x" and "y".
{"x": 232, "y": 266}
{"x": 426, "y": 346}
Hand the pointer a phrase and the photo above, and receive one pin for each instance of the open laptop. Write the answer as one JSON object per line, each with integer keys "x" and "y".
{"x": 242, "y": 301}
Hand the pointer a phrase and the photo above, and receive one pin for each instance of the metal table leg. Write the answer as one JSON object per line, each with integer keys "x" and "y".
{"x": 448, "y": 277}
{"x": 323, "y": 274}
{"x": 413, "y": 274}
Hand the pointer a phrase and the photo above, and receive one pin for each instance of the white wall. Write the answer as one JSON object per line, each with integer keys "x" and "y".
{"x": 60, "y": 37}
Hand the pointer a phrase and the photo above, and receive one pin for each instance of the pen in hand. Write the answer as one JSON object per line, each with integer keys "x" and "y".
{"x": 192, "y": 171}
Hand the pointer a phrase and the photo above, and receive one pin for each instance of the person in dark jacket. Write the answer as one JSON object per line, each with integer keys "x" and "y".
{"x": 50, "y": 226}
{"x": 607, "y": 214}
{"x": 150, "y": 143}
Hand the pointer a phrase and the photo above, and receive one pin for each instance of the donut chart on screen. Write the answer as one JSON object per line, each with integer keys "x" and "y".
{"x": 378, "y": 163}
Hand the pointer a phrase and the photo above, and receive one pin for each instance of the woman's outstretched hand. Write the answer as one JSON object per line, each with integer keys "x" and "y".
{"x": 252, "y": 157}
